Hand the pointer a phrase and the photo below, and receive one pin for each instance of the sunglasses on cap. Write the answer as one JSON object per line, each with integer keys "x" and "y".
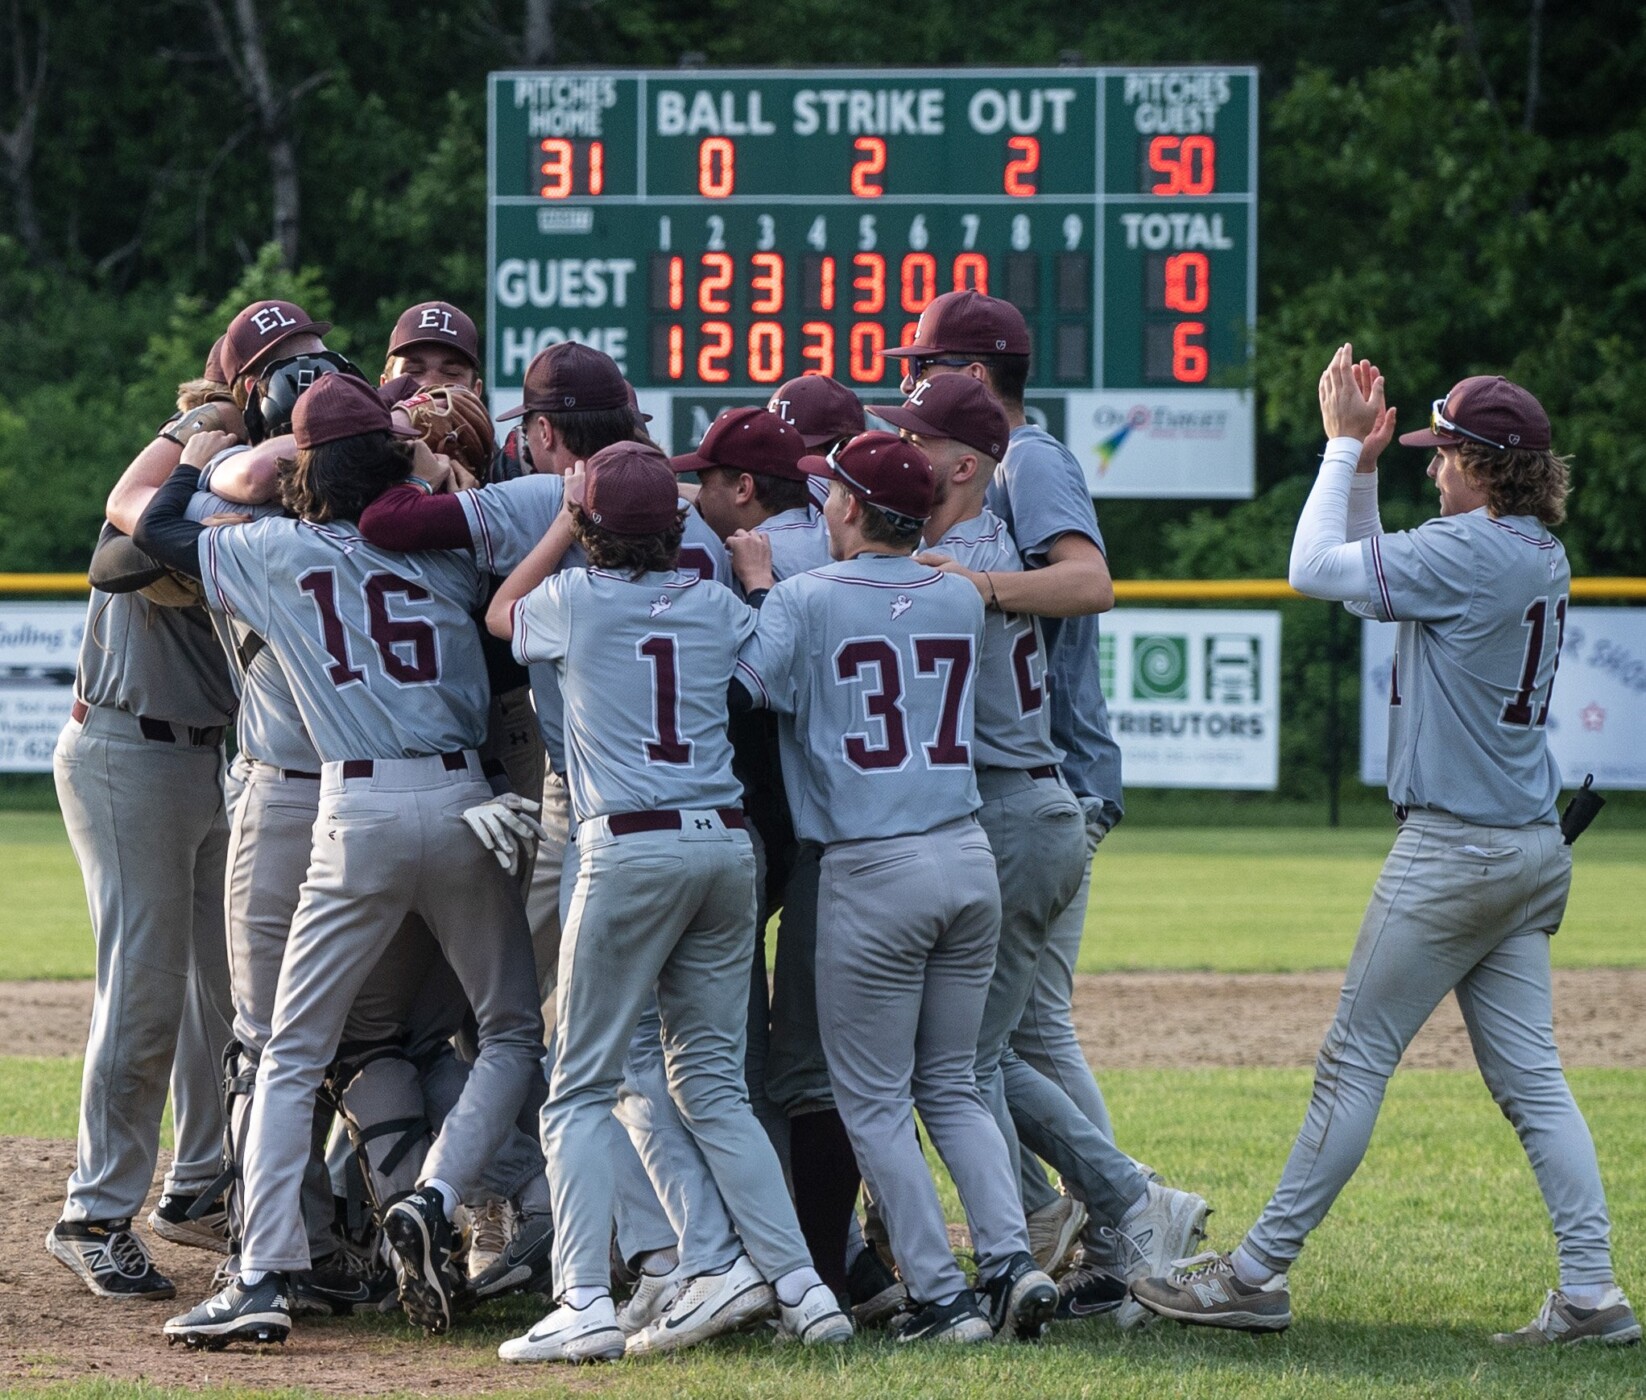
{"x": 1440, "y": 423}
{"x": 919, "y": 364}
{"x": 897, "y": 518}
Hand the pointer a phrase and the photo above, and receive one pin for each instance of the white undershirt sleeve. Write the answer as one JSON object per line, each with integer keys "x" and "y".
{"x": 1326, "y": 555}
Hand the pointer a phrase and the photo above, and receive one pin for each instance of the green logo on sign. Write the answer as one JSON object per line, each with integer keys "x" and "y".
{"x": 1160, "y": 667}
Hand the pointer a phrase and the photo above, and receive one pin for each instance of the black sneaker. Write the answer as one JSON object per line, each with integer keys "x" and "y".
{"x": 261, "y": 1313}
{"x": 209, "y": 1229}
{"x": 1019, "y": 1300}
{"x": 338, "y": 1286}
{"x": 422, "y": 1242}
{"x": 110, "y": 1260}
{"x": 958, "y": 1321}
{"x": 1088, "y": 1290}
{"x": 526, "y": 1264}
{"x": 873, "y": 1290}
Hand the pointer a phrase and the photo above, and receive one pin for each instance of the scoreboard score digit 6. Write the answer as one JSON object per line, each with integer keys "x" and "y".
{"x": 718, "y": 233}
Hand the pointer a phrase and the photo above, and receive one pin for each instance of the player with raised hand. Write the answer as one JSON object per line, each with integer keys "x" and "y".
{"x": 1477, "y": 881}
{"x": 870, "y": 661}
{"x": 664, "y": 899}
{"x": 385, "y": 669}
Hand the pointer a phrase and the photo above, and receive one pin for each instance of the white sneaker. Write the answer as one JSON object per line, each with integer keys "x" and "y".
{"x": 709, "y": 1306}
{"x": 816, "y": 1320}
{"x": 1168, "y": 1228}
{"x": 491, "y": 1229}
{"x": 570, "y": 1334}
{"x": 650, "y": 1300}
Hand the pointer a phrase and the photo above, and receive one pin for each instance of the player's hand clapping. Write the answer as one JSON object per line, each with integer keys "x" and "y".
{"x": 1344, "y": 409}
{"x": 1366, "y": 374}
{"x": 751, "y": 552}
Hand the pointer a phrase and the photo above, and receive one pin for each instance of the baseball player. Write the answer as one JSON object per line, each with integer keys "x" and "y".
{"x": 1477, "y": 881}
{"x": 664, "y": 896}
{"x": 826, "y": 413}
{"x": 870, "y": 660}
{"x": 434, "y": 343}
{"x": 387, "y": 676}
{"x": 152, "y": 698}
{"x": 1040, "y": 493}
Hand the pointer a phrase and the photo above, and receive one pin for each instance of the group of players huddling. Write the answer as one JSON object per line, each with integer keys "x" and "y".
{"x": 564, "y": 724}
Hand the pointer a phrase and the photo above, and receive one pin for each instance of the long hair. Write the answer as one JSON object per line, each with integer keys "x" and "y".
{"x": 191, "y": 393}
{"x": 628, "y": 554}
{"x": 1519, "y": 481}
{"x": 338, "y": 480}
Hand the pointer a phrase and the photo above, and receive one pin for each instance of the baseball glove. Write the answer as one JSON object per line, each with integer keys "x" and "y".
{"x": 174, "y": 590}
{"x": 213, "y": 416}
{"x": 455, "y": 423}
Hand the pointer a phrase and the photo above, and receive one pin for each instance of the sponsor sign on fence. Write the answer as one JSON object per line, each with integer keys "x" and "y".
{"x": 39, "y": 646}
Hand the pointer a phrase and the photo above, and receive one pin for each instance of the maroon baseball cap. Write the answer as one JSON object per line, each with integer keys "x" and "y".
{"x": 823, "y": 409}
{"x": 952, "y": 406}
{"x": 571, "y": 378}
{"x": 634, "y": 404}
{"x": 748, "y": 440}
{"x": 214, "y": 362}
{"x": 1486, "y": 408}
{"x": 627, "y": 488}
{"x": 436, "y": 323}
{"x": 254, "y": 334}
{"x": 398, "y": 389}
{"x": 341, "y": 406}
{"x": 881, "y": 468}
{"x": 968, "y": 323}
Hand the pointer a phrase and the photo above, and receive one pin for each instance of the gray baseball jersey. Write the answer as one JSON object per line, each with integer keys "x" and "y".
{"x": 1014, "y": 723}
{"x": 160, "y": 663}
{"x": 800, "y": 541}
{"x": 380, "y": 648}
{"x": 1481, "y": 605}
{"x": 871, "y": 661}
{"x": 638, "y": 638}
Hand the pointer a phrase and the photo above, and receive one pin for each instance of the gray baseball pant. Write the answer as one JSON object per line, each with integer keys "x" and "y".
{"x": 546, "y": 898}
{"x": 1469, "y": 909}
{"x": 387, "y": 845}
{"x": 1038, "y": 834}
{"x": 147, "y": 823}
{"x": 674, "y": 910}
{"x": 907, "y": 927}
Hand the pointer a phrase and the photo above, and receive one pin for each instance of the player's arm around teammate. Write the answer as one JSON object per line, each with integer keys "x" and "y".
{"x": 1476, "y": 883}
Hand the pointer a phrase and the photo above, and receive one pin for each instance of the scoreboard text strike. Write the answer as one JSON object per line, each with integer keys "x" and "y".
{"x": 718, "y": 233}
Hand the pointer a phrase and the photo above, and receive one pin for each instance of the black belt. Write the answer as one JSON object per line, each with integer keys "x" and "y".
{"x": 161, "y": 731}
{"x": 365, "y": 767}
{"x": 299, "y": 773}
{"x": 628, "y": 823}
{"x": 1046, "y": 770}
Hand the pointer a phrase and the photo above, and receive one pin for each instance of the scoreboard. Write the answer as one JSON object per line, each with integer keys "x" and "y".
{"x": 718, "y": 233}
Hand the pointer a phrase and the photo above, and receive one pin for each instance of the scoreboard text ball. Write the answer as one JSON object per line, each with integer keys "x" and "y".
{"x": 718, "y": 233}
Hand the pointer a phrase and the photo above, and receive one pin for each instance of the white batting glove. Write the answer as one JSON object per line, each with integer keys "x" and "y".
{"x": 506, "y": 828}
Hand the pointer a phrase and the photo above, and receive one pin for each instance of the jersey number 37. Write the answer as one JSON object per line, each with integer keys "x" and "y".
{"x": 875, "y": 666}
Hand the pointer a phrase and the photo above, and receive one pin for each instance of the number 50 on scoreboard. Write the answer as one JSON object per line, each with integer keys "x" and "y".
{"x": 718, "y": 233}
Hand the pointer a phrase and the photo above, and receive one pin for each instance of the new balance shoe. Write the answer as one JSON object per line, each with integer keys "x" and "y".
{"x": 570, "y": 1334}
{"x": 338, "y": 1285}
{"x": 491, "y": 1228}
{"x": 209, "y": 1229}
{"x": 1088, "y": 1290}
{"x": 422, "y": 1243}
{"x": 525, "y": 1265}
{"x": 653, "y": 1293}
{"x": 816, "y": 1320}
{"x": 1018, "y": 1300}
{"x": 709, "y": 1306}
{"x": 1168, "y": 1228}
{"x": 1205, "y": 1291}
{"x": 875, "y": 1292}
{"x": 958, "y": 1320}
{"x": 109, "y": 1259}
{"x": 1054, "y": 1234}
{"x": 259, "y": 1313}
{"x": 1561, "y": 1322}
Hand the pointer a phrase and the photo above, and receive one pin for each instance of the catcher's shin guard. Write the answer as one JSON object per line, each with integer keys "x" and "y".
{"x": 376, "y": 1092}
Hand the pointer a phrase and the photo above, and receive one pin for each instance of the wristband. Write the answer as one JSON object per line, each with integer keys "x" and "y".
{"x": 427, "y": 488}
{"x": 994, "y": 599}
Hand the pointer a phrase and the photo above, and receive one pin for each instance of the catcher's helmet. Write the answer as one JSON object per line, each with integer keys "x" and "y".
{"x": 269, "y": 406}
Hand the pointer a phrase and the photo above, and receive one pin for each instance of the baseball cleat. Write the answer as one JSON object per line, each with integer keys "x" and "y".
{"x": 526, "y": 1264}
{"x": 875, "y": 1292}
{"x": 1561, "y": 1322}
{"x": 1167, "y": 1228}
{"x": 259, "y": 1313}
{"x": 1205, "y": 1291}
{"x": 816, "y": 1320}
{"x": 208, "y": 1230}
{"x": 492, "y": 1227}
{"x": 421, "y": 1242}
{"x": 570, "y": 1334}
{"x": 653, "y": 1293}
{"x": 1054, "y": 1234}
{"x": 109, "y": 1259}
{"x": 1018, "y": 1300}
{"x": 709, "y": 1306}
{"x": 338, "y": 1286}
{"x": 1088, "y": 1290}
{"x": 958, "y": 1320}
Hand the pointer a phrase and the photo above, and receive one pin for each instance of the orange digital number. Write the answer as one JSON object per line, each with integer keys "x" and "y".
{"x": 677, "y": 283}
{"x": 1188, "y": 282}
{"x": 872, "y": 149}
{"x": 819, "y": 347}
{"x": 866, "y": 363}
{"x": 1189, "y": 358}
{"x": 919, "y": 281}
{"x": 555, "y": 168}
{"x": 677, "y": 352}
{"x": 716, "y": 167}
{"x": 718, "y": 273}
{"x": 1027, "y": 163}
{"x": 871, "y": 284}
{"x": 825, "y": 284}
{"x": 766, "y": 352}
{"x": 767, "y": 283}
{"x": 714, "y": 352}
{"x": 1189, "y": 164}
{"x": 972, "y": 270}
{"x": 597, "y": 167}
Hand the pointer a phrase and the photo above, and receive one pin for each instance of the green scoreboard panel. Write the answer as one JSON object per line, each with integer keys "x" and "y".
{"x": 718, "y": 233}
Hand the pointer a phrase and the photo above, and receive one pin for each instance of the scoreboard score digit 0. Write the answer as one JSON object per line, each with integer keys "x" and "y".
{"x": 718, "y": 233}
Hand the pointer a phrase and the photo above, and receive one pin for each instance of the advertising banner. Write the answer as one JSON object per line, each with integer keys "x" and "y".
{"x": 39, "y": 646}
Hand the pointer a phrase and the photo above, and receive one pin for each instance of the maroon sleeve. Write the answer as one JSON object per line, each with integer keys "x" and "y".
{"x": 407, "y": 519}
